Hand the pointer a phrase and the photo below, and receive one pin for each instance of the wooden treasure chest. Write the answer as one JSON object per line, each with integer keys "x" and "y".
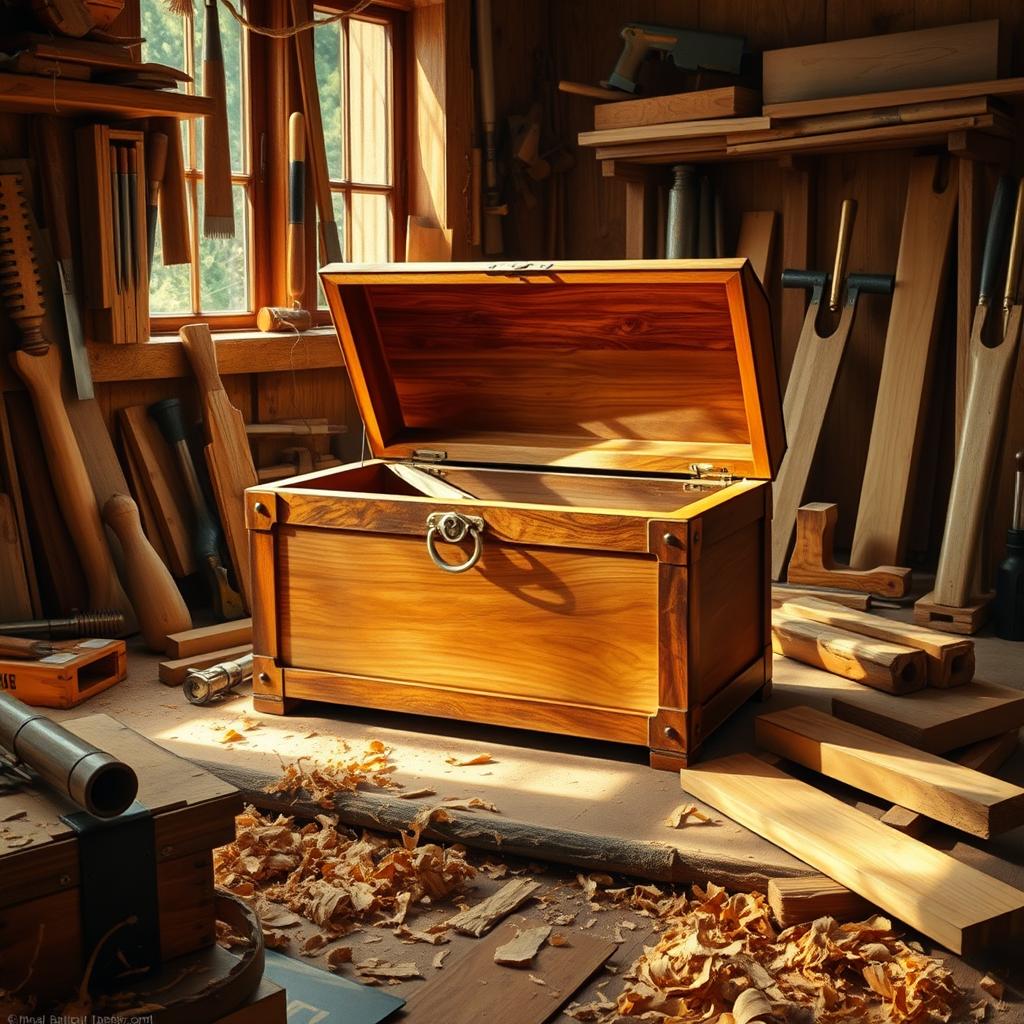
{"x": 134, "y": 890}
{"x": 565, "y": 522}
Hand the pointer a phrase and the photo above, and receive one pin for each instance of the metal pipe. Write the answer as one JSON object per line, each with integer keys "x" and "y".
{"x": 89, "y": 777}
{"x": 201, "y": 686}
{"x": 102, "y": 624}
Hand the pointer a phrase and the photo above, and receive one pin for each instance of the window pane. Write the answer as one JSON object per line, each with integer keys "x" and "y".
{"x": 165, "y": 34}
{"x": 224, "y": 263}
{"x": 371, "y": 228}
{"x": 369, "y": 78}
{"x": 168, "y": 286}
{"x": 231, "y": 43}
{"x": 330, "y": 83}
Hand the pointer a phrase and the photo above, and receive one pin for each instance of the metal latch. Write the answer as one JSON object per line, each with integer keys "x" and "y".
{"x": 428, "y": 455}
{"x": 707, "y": 471}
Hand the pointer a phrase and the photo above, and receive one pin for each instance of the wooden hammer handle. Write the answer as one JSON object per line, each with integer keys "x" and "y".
{"x": 296, "y": 242}
{"x": 41, "y": 374}
{"x": 202, "y": 354}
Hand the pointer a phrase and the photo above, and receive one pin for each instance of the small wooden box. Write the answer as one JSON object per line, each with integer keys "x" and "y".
{"x": 76, "y": 671}
{"x": 43, "y": 887}
{"x": 606, "y": 433}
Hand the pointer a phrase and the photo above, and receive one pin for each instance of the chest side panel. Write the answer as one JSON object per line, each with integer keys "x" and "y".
{"x": 548, "y": 623}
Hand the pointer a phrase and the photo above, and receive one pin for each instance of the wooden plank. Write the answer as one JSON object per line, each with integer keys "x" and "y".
{"x": 798, "y": 900}
{"x": 205, "y": 639}
{"x": 1008, "y": 87}
{"x": 899, "y": 60}
{"x": 883, "y": 517}
{"x": 935, "y": 720}
{"x": 9, "y": 480}
{"x": 952, "y": 793}
{"x": 15, "y": 598}
{"x": 954, "y": 904}
{"x": 172, "y": 673}
{"x": 675, "y": 130}
{"x": 882, "y": 666}
{"x": 950, "y": 660}
{"x": 475, "y": 988}
{"x": 163, "y": 486}
{"x": 987, "y": 756}
{"x": 228, "y": 455}
{"x": 482, "y": 917}
{"x": 729, "y": 101}
{"x": 756, "y": 240}
{"x": 781, "y": 593}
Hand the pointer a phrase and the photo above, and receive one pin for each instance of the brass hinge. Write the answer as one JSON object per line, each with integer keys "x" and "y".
{"x": 428, "y": 455}
{"x": 707, "y": 471}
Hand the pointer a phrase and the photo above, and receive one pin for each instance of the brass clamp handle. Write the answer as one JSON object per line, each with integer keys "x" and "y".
{"x": 453, "y": 528}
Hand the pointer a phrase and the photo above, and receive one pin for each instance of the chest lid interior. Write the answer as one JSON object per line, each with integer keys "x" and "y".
{"x": 647, "y": 365}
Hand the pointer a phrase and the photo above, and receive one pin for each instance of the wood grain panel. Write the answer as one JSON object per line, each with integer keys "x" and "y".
{"x": 535, "y": 622}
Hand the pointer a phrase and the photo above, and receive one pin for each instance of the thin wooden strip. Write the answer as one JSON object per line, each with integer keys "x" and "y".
{"x": 480, "y": 919}
{"x": 475, "y": 988}
{"x": 875, "y": 663}
{"x": 985, "y": 756}
{"x": 951, "y": 793}
{"x": 796, "y": 900}
{"x": 205, "y": 639}
{"x": 950, "y": 659}
{"x": 935, "y": 720}
{"x": 676, "y": 130}
{"x": 950, "y": 902}
{"x": 782, "y": 593}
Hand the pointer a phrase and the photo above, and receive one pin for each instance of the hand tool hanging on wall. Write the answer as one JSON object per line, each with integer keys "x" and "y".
{"x": 157, "y": 600}
{"x": 815, "y": 368}
{"x": 52, "y": 173}
{"x": 89, "y": 777}
{"x": 294, "y": 317}
{"x": 883, "y": 516}
{"x": 227, "y": 603}
{"x": 39, "y": 366}
{"x": 330, "y": 243}
{"x": 156, "y": 165}
{"x": 1008, "y": 609}
{"x": 951, "y": 606}
{"x": 218, "y": 201}
{"x": 494, "y": 209}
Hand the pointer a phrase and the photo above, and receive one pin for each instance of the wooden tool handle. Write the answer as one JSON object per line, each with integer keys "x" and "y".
{"x": 202, "y": 354}
{"x": 158, "y": 602}
{"x": 41, "y": 373}
{"x": 996, "y": 238}
{"x": 19, "y": 647}
{"x": 846, "y": 218}
{"x": 52, "y": 173}
{"x": 156, "y": 165}
{"x": 296, "y": 208}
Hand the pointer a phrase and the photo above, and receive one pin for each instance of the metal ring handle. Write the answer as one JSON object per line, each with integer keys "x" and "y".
{"x": 453, "y": 527}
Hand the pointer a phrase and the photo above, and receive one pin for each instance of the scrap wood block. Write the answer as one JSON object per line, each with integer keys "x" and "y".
{"x": 987, "y": 756}
{"x": 475, "y": 988}
{"x": 954, "y": 904}
{"x": 796, "y": 900}
{"x": 207, "y": 639}
{"x": 782, "y": 592}
{"x": 875, "y": 663}
{"x": 951, "y": 793}
{"x": 172, "y": 673}
{"x": 728, "y": 101}
{"x": 951, "y": 619}
{"x": 950, "y": 661}
{"x": 480, "y": 919}
{"x": 935, "y": 720}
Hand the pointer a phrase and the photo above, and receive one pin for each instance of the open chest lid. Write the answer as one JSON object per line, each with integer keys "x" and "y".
{"x": 648, "y": 365}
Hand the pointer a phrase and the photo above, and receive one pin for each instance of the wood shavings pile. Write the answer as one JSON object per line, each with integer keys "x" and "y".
{"x": 342, "y": 773}
{"x": 715, "y": 947}
{"x": 331, "y": 878}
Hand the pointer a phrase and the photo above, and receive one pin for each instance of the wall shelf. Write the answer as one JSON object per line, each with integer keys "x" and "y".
{"x": 26, "y": 94}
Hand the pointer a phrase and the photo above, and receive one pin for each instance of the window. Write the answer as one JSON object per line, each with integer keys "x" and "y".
{"x": 356, "y": 63}
{"x": 221, "y": 279}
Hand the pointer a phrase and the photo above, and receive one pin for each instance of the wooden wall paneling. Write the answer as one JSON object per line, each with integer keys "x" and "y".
{"x": 10, "y": 484}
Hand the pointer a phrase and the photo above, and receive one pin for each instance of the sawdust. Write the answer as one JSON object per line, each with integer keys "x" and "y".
{"x": 714, "y": 947}
{"x": 473, "y": 803}
{"x": 343, "y": 773}
{"x": 470, "y": 760}
{"x": 687, "y": 814}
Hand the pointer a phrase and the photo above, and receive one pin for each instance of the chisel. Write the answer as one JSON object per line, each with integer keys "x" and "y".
{"x": 132, "y": 158}
{"x": 126, "y": 216}
{"x": 115, "y": 216}
{"x": 156, "y": 165}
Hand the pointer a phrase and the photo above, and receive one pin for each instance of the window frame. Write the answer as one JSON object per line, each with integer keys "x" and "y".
{"x": 266, "y": 127}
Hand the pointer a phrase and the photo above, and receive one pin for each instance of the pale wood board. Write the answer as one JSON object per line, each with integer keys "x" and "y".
{"x": 951, "y": 793}
{"x": 476, "y": 989}
{"x": 956, "y": 905}
{"x": 797, "y": 900}
{"x": 729, "y": 101}
{"x": 173, "y": 672}
{"x": 944, "y": 55}
{"x": 677, "y": 130}
{"x": 935, "y": 720}
{"x": 881, "y": 665}
{"x": 883, "y": 516}
{"x": 985, "y": 756}
{"x": 781, "y": 593}
{"x": 205, "y": 639}
{"x": 951, "y": 660}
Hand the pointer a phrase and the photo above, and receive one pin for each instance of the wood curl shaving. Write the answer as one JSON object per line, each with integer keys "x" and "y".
{"x": 714, "y": 948}
{"x": 342, "y": 773}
